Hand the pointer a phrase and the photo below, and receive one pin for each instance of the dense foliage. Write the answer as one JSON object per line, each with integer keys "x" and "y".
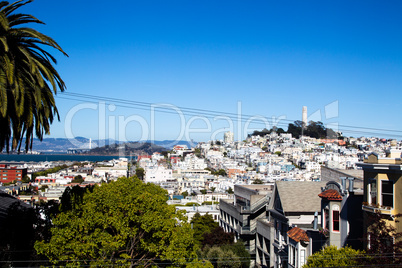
{"x": 123, "y": 222}
{"x": 312, "y": 129}
{"x": 48, "y": 171}
{"x": 201, "y": 225}
{"x": 331, "y": 256}
{"x": 217, "y": 246}
{"x": 140, "y": 173}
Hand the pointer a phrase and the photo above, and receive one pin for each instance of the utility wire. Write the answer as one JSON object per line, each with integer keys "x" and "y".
{"x": 211, "y": 113}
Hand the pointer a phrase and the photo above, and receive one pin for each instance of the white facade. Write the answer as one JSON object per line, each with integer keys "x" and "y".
{"x": 228, "y": 137}
{"x": 157, "y": 174}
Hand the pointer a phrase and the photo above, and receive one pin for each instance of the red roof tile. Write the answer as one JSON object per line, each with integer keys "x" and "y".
{"x": 331, "y": 194}
{"x": 298, "y": 234}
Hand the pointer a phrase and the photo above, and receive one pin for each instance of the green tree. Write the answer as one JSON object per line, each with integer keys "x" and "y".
{"x": 230, "y": 190}
{"x": 240, "y": 252}
{"x": 220, "y": 172}
{"x": 217, "y": 236}
{"x": 78, "y": 179}
{"x": 28, "y": 78}
{"x": 258, "y": 181}
{"x": 73, "y": 198}
{"x": 140, "y": 173}
{"x": 201, "y": 225}
{"x": 222, "y": 257}
{"x": 331, "y": 256}
{"x": 385, "y": 241}
{"x": 197, "y": 152}
{"x": 26, "y": 179}
{"x": 184, "y": 194}
{"x": 126, "y": 222}
{"x": 48, "y": 171}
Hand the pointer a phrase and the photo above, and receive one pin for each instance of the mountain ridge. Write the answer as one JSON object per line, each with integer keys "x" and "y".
{"x": 52, "y": 145}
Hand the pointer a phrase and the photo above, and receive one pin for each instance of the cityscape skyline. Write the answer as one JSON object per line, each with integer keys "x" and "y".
{"x": 270, "y": 57}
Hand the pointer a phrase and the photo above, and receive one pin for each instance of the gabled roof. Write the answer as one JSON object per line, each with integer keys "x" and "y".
{"x": 298, "y": 234}
{"x": 300, "y": 196}
{"x": 331, "y": 194}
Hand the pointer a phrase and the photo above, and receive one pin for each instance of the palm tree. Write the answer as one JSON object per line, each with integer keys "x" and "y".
{"x": 28, "y": 79}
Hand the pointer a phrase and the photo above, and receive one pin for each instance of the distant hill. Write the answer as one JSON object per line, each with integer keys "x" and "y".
{"x": 61, "y": 145}
{"x": 169, "y": 144}
{"x": 128, "y": 148}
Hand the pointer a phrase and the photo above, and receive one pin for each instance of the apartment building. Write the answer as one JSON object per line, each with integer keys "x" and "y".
{"x": 240, "y": 215}
{"x": 11, "y": 173}
{"x": 383, "y": 187}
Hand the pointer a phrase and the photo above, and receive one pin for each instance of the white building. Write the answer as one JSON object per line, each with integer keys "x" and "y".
{"x": 228, "y": 137}
{"x": 157, "y": 174}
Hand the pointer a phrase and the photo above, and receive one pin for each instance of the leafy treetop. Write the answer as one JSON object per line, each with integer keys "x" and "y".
{"x": 125, "y": 222}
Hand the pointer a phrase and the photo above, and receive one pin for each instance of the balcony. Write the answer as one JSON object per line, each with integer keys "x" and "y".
{"x": 376, "y": 208}
{"x": 256, "y": 206}
{"x": 246, "y": 230}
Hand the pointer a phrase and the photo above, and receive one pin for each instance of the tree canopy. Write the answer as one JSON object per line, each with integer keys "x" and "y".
{"x": 28, "y": 78}
{"x": 312, "y": 129}
{"x": 201, "y": 225}
{"x": 123, "y": 222}
{"x": 331, "y": 256}
{"x": 216, "y": 245}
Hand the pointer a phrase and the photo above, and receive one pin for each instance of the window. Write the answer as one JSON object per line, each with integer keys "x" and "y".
{"x": 302, "y": 257}
{"x": 277, "y": 230}
{"x": 292, "y": 255}
{"x": 326, "y": 218}
{"x": 387, "y": 193}
{"x": 335, "y": 220}
{"x": 372, "y": 191}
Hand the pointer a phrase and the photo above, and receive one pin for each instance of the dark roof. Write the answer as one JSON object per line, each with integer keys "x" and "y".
{"x": 6, "y": 201}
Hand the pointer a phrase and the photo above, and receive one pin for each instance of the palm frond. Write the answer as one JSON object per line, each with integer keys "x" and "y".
{"x": 28, "y": 78}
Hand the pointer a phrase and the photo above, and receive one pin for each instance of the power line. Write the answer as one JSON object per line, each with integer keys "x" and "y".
{"x": 164, "y": 108}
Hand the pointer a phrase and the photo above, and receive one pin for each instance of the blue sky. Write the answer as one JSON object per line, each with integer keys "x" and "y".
{"x": 269, "y": 57}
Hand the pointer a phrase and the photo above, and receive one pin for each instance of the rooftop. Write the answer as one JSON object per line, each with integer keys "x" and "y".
{"x": 297, "y": 196}
{"x": 331, "y": 194}
{"x": 298, "y": 234}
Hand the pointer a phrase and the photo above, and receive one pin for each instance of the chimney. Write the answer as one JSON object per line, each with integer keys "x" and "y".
{"x": 343, "y": 179}
{"x": 351, "y": 182}
{"x": 315, "y": 224}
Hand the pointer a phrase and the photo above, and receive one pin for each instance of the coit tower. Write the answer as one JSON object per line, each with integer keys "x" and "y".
{"x": 304, "y": 116}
